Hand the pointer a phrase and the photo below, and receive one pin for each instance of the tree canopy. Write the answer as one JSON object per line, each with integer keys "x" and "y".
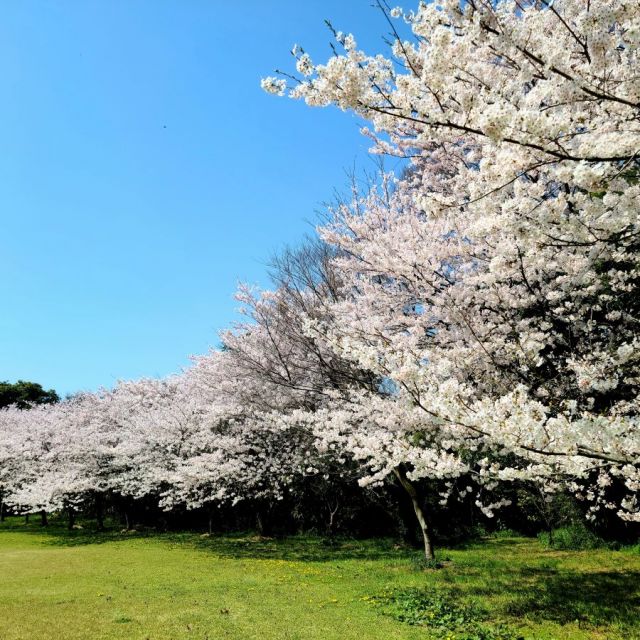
{"x": 24, "y": 394}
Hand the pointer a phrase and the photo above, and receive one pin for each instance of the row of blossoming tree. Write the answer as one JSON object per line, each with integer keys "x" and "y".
{"x": 475, "y": 320}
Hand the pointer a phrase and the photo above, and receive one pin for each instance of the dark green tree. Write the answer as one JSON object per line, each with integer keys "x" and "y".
{"x": 24, "y": 394}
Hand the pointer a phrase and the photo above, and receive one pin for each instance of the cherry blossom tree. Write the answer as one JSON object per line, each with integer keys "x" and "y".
{"x": 499, "y": 280}
{"x": 41, "y": 475}
{"x": 282, "y": 364}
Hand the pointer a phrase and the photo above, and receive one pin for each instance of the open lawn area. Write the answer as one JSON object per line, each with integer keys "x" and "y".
{"x": 82, "y": 584}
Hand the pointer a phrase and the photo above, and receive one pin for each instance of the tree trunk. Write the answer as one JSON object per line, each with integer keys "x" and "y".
{"x": 408, "y": 517}
{"x": 263, "y": 521}
{"x": 259, "y": 522}
{"x": 333, "y": 510}
{"x": 72, "y": 518}
{"x": 43, "y": 518}
{"x": 210, "y": 514}
{"x": 99, "y": 504}
{"x": 26, "y": 518}
{"x": 410, "y": 488}
{"x": 1, "y": 509}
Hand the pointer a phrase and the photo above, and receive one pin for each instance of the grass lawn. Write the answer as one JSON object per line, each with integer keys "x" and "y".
{"x": 84, "y": 585}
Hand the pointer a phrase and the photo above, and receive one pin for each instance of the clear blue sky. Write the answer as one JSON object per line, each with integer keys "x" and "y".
{"x": 143, "y": 173}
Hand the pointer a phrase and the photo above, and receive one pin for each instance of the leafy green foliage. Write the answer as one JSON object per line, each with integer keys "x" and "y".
{"x": 575, "y": 537}
{"x": 425, "y": 607}
{"x": 24, "y": 394}
{"x": 420, "y": 563}
{"x": 441, "y": 612}
{"x": 505, "y": 533}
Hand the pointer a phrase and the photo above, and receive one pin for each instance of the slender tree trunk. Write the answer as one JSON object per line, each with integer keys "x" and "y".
{"x": 72, "y": 518}
{"x": 410, "y": 488}
{"x": 263, "y": 521}
{"x": 26, "y": 518}
{"x": 43, "y": 518}
{"x": 408, "y": 517}
{"x": 332, "y": 517}
{"x": 259, "y": 522}
{"x": 1, "y": 509}
{"x": 210, "y": 514}
{"x": 99, "y": 504}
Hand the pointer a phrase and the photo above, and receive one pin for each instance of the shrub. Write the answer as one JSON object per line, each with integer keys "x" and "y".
{"x": 505, "y": 533}
{"x": 575, "y": 537}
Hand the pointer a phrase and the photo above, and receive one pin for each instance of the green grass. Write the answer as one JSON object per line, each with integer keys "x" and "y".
{"x": 82, "y": 584}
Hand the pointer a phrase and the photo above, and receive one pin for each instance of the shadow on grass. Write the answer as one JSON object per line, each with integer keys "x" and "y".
{"x": 538, "y": 587}
{"x": 245, "y": 545}
{"x": 564, "y": 596}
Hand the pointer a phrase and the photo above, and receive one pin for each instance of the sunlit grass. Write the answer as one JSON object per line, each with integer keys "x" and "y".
{"x": 82, "y": 584}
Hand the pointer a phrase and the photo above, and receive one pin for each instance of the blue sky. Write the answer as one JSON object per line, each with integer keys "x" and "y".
{"x": 143, "y": 173}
